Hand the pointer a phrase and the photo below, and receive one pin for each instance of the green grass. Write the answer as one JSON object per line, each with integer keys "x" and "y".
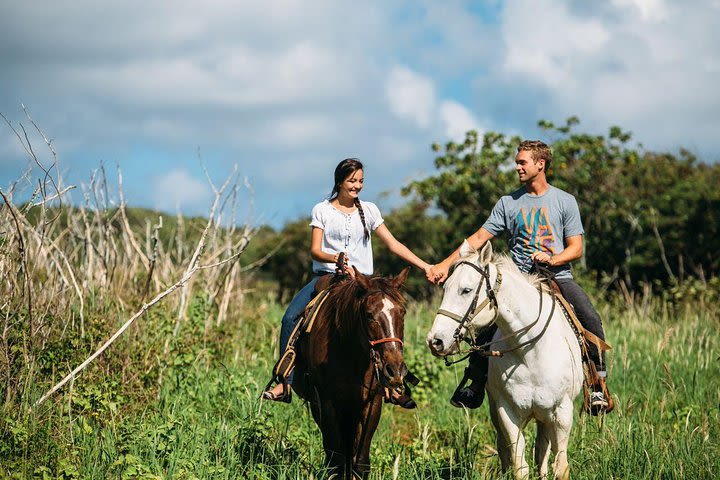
{"x": 205, "y": 421}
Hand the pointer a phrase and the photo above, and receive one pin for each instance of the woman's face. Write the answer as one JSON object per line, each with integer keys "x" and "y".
{"x": 351, "y": 186}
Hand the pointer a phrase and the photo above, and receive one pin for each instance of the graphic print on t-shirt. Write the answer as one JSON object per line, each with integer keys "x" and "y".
{"x": 535, "y": 230}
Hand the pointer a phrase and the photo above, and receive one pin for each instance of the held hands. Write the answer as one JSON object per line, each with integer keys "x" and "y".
{"x": 437, "y": 273}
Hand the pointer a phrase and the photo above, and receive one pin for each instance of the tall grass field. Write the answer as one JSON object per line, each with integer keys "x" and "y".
{"x": 205, "y": 419}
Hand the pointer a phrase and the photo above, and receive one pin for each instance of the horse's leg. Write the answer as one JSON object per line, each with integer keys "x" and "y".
{"x": 542, "y": 449}
{"x": 559, "y": 433}
{"x": 511, "y": 426}
{"x": 365, "y": 429}
{"x": 329, "y": 422}
{"x": 502, "y": 446}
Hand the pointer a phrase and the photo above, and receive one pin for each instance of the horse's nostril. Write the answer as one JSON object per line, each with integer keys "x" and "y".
{"x": 437, "y": 343}
{"x": 403, "y": 370}
{"x": 389, "y": 372}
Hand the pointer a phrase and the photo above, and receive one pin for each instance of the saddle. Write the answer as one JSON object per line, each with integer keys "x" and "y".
{"x": 286, "y": 364}
{"x": 592, "y": 380}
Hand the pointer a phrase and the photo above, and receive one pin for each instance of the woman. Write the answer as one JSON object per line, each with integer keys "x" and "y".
{"x": 342, "y": 224}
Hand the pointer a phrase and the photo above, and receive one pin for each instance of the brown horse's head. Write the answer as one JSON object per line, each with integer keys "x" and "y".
{"x": 379, "y": 322}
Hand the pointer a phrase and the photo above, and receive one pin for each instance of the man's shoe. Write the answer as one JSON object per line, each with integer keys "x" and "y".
{"x": 467, "y": 397}
{"x": 473, "y": 395}
{"x": 600, "y": 400}
{"x": 597, "y": 401}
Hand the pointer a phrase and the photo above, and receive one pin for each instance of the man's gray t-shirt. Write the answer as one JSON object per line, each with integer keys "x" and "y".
{"x": 536, "y": 223}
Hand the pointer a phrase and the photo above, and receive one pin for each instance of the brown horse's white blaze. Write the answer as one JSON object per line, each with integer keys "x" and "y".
{"x": 393, "y": 369}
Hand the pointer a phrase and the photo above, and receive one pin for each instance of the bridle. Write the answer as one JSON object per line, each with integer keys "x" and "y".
{"x": 474, "y": 310}
{"x": 377, "y": 363}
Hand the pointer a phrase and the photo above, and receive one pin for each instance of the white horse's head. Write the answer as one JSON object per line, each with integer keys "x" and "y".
{"x": 466, "y": 284}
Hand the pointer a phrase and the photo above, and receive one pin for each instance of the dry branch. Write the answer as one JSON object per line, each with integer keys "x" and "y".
{"x": 182, "y": 282}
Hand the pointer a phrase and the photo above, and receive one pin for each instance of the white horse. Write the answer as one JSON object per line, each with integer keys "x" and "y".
{"x": 540, "y": 372}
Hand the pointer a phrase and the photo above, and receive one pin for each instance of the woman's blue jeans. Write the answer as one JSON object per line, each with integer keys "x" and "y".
{"x": 294, "y": 311}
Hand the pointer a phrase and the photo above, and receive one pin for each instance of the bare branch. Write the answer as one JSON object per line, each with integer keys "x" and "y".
{"x": 119, "y": 332}
{"x": 53, "y": 197}
{"x": 126, "y": 224}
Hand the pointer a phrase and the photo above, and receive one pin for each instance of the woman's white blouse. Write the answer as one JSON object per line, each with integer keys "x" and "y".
{"x": 343, "y": 232}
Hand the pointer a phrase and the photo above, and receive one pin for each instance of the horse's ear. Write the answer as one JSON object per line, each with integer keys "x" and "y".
{"x": 466, "y": 249}
{"x": 361, "y": 279}
{"x": 486, "y": 253}
{"x": 400, "y": 279}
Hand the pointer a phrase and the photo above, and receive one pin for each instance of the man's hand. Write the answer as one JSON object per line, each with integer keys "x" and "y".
{"x": 542, "y": 257}
{"x": 438, "y": 273}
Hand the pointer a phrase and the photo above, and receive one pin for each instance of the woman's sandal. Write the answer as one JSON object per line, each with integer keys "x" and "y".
{"x": 283, "y": 397}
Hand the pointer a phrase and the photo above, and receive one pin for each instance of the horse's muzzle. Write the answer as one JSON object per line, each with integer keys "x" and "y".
{"x": 440, "y": 347}
{"x": 393, "y": 374}
{"x": 436, "y": 346}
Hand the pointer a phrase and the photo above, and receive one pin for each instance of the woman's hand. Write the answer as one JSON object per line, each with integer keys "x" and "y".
{"x": 428, "y": 269}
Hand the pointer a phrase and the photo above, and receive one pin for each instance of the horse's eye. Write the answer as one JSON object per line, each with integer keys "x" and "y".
{"x": 465, "y": 291}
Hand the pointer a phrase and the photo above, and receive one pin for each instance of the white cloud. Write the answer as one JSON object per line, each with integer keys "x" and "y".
{"x": 178, "y": 190}
{"x": 646, "y": 65}
{"x": 411, "y": 96}
{"x": 546, "y": 43}
{"x": 653, "y": 10}
{"x": 458, "y": 120}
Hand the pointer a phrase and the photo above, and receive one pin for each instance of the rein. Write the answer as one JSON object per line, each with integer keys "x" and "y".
{"x": 491, "y": 299}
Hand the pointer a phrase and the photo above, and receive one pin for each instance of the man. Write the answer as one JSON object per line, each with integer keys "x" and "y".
{"x": 545, "y": 227}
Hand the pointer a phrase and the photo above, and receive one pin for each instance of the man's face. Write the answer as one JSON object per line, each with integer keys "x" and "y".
{"x": 526, "y": 167}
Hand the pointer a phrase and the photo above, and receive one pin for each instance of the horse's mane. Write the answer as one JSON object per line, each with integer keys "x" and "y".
{"x": 347, "y": 301}
{"x": 508, "y": 267}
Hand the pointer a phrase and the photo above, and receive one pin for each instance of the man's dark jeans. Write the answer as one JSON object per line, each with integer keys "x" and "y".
{"x": 586, "y": 313}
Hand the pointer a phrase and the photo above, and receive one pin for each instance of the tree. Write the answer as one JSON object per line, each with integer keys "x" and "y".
{"x": 646, "y": 215}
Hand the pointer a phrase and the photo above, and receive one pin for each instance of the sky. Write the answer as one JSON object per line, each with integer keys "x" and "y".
{"x": 286, "y": 89}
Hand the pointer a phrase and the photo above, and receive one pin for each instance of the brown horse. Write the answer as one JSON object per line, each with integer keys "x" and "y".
{"x": 354, "y": 352}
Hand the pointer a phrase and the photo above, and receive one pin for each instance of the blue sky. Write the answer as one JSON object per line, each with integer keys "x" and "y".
{"x": 285, "y": 89}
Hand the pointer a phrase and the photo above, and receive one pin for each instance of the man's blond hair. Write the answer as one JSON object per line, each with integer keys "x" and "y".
{"x": 538, "y": 150}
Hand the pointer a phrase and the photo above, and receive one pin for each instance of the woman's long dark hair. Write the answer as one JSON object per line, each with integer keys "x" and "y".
{"x": 343, "y": 170}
